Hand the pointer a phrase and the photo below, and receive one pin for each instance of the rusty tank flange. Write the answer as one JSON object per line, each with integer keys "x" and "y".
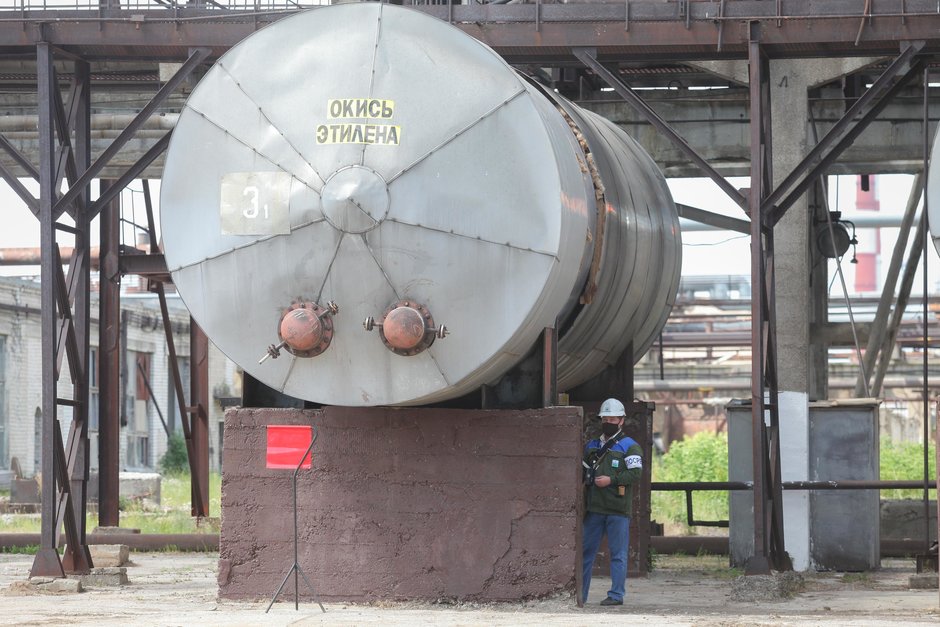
{"x": 305, "y": 329}
{"x": 407, "y": 328}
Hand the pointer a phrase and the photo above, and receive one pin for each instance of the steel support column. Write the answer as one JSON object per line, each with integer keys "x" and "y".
{"x": 64, "y": 331}
{"x": 769, "y": 549}
{"x": 200, "y": 403}
{"x": 109, "y": 365}
{"x": 47, "y": 562}
{"x": 549, "y": 367}
{"x": 77, "y": 558}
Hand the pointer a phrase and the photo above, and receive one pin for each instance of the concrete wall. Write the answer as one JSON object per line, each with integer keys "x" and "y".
{"x": 407, "y": 504}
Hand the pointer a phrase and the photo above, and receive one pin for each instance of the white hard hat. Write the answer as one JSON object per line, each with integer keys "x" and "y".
{"x": 612, "y": 407}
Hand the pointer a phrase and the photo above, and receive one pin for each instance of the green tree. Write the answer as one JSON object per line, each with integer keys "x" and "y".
{"x": 175, "y": 461}
{"x": 702, "y": 457}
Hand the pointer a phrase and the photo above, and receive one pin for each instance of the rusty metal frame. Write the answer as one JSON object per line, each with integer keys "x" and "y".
{"x": 66, "y": 313}
{"x": 195, "y": 59}
{"x": 109, "y": 363}
{"x": 524, "y": 32}
{"x": 769, "y": 546}
{"x": 65, "y": 324}
{"x": 194, "y": 418}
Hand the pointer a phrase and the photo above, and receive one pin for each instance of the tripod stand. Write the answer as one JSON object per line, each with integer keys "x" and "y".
{"x": 295, "y": 568}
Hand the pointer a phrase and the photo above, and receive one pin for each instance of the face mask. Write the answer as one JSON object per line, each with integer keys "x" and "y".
{"x": 609, "y": 429}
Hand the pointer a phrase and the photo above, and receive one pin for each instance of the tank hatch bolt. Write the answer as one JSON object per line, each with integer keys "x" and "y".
{"x": 407, "y": 328}
{"x": 274, "y": 351}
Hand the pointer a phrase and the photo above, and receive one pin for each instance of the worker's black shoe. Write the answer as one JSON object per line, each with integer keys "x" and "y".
{"x": 610, "y": 601}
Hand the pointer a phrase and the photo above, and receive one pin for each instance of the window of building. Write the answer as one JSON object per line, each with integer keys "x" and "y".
{"x": 176, "y": 421}
{"x": 136, "y": 409}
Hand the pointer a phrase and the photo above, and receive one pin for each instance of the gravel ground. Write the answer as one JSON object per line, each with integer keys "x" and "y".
{"x": 180, "y": 589}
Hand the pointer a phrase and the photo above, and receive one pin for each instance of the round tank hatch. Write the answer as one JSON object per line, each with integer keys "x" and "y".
{"x": 354, "y": 199}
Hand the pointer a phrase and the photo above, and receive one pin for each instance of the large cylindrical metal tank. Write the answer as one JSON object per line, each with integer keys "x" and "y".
{"x": 346, "y": 182}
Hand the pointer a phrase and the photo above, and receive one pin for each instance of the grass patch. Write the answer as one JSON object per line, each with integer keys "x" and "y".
{"x": 19, "y": 523}
{"x": 862, "y": 578}
{"x": 172, "y": 516}
{"x": 20, "y": 550}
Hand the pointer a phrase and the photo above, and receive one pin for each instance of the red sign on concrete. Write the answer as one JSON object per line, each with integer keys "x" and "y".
{"x": 286, "y": 444}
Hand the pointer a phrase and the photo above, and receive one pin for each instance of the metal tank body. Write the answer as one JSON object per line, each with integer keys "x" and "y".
{"x": 379, "y": 210}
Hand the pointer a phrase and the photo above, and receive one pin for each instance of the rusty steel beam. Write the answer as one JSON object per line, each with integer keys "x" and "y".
{"x": 47, "y": 562}
{"x": 759, "y": 562}
{"x": 524, "y": 32}
{"x": 132, "y": 173}
{"x": 714, "y": 219}
{"x": 77, "y": 558}
{"x": 194, "y": 419}
{"x": 109, "y": 367}
{"x": 148, "y": 266}
{"x": 200, "y": 403}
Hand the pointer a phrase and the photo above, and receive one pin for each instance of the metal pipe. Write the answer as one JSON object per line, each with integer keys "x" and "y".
{"x": 32, "y": 256}
{"x": 719, "y": 545}
{"x": 842, "y": 484}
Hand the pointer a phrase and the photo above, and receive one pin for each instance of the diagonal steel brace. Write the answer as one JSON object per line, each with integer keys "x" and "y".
{"x": 878, "y": 94}
{"x": 194, "y": 60}
{"x": 132, "y": 173}
{"x": 588, "y": 56}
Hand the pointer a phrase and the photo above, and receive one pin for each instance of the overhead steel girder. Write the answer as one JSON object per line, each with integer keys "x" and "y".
{"x": 532, "y": 32}
{"x": 588, "y": 56}
{"x": 844, "y": 132}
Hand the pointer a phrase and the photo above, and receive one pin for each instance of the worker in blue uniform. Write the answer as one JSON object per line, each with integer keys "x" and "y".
{"x": 612, "y": 465}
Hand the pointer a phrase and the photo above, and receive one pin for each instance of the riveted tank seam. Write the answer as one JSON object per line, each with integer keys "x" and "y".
{"x": 375, "y": 50}
{"x": 329, "y": 267}
{"x": 270, "y": 122}
{"x": 252, "y": 148}
{"x": 229, "y": 251}
{"x": 456, "y": 135}
{"x": 474, "y": 237}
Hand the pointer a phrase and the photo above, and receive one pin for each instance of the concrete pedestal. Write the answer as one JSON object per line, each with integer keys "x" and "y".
{"x": 406, "y": 504}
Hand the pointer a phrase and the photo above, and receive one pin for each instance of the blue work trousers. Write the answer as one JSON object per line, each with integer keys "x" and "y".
{"x": 617, "y": 529}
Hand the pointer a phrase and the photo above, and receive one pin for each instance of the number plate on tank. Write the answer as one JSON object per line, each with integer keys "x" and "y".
{"x": 255, "y": 203}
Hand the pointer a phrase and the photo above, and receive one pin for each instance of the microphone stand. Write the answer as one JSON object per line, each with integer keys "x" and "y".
{"x": 295, "y": 568}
